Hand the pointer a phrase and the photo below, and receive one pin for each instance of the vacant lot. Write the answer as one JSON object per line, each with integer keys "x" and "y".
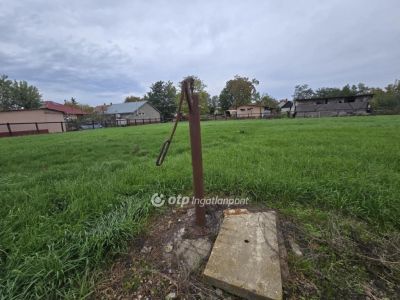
{"x": 69, "y": 201}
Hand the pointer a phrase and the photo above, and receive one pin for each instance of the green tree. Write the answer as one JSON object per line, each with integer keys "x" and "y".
{"x": 25, "y": 96}
{"x": 6, "y": 93}
{"x": 269, "y": 101}
{"x": 204, "y": 98}
{"x": 199, "y": 87}
{"x": 328, "y": 92}
{"x": 358, "y": 89}
{"x": 74, "y": 103}
{"x": 198, "y": 84}
{"x": 132, "y": 99}
{"x": 363, "y": 89}
{"x": 303, "y": 92}
{"x": 256, "y": 97}
{"x": 213, "y": 103}
{"x": 162, "y": 96}
{"x": 86, "y": 108}
{"x": 225, "y": 100}
{"x": 388, "y": 99}
{"x": 348, "y": 91}
{"x": 238, "y": 91}
{"x": 18, "y": 95}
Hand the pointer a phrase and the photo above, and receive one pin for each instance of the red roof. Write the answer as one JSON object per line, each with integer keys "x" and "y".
{"x": 68, "y": 110}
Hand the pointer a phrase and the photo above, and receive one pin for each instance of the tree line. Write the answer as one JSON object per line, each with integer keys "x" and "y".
{"x": 74, "y": 103}
{"x": 240, "y": 90}
{"x": 243, "y": 90}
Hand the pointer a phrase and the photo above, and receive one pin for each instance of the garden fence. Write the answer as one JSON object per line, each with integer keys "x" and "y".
{"x": 26, "y": 128}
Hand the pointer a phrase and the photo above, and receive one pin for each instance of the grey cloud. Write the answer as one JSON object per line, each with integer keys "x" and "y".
{"x": 100, "y": 51}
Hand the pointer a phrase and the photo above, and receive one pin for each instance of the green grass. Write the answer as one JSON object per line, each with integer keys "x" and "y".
{"x": 68, "y": 202}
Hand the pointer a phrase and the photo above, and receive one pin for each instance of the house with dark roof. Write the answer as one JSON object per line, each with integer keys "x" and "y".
{"x": 333, "y": 106}
{"x": 68, "y": 111}
{"x": 125, "y": 113}
{"x": 285, "y": 106}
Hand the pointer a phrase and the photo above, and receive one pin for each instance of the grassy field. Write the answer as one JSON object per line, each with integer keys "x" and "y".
{"x": 68, "y": 202}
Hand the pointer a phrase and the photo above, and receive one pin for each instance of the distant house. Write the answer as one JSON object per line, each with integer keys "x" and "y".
{"x": 22, "y": 122}
{"x": 125, "y": 113}
{"x": 68, "y": 111}
{"x": 249, "y": 111}
{"x": 285, "y": 106}
{"x": 333, "y": 106}
{"x": 101, "y": 109}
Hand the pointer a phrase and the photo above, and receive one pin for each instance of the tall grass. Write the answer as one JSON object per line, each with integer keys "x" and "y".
{"x": 70, "y": 201}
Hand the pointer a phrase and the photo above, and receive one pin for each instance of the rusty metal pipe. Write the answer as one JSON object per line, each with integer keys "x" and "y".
{"x": 195, "y": 143}
{"x": 197, "y": 160}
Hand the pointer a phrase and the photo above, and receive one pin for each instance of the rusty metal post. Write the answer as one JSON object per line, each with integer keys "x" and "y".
{"x": 197, "y": 160}
{"x": 195, "y": 143}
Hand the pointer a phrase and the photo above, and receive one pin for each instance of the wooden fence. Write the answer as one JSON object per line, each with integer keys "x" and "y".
{"x": 28, "y": 128}
{"x": 14, "y": 129}
{"x": 11, "y": 129}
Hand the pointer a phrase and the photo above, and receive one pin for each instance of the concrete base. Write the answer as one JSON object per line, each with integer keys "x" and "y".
{"x": 245, "y": 257}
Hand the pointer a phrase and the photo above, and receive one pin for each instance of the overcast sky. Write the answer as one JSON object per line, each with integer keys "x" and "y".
{"x": 101, "y": 51}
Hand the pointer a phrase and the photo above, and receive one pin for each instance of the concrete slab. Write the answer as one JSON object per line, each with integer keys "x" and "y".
{"x": 245, "y": 258}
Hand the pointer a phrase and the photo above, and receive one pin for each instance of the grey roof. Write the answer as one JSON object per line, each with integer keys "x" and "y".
{"x": 122, "y": 108}
{"x": 287, "y": 104}
{"x": 335, "y": 97}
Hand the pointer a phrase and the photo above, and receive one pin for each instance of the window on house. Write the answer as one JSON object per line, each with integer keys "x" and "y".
{"x": 352, "y": 99}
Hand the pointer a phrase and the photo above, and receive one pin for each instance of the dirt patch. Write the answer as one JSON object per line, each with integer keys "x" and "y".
{"x": 152, "y": 268}
{"x": 335, "y": 259}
